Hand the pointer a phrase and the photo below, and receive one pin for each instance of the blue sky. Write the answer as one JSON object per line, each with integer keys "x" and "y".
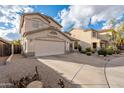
{"x": 50, "y": 10}
{"x": 85, "y": 17}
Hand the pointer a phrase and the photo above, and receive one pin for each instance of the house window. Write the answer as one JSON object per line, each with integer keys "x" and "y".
{"x": 94, "y": 34}
{"x": 94, "y": 45}
{"x": 102, "y": 45}
{"x": 35, "y": 24}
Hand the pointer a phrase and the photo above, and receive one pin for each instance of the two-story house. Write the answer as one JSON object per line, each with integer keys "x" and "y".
{"x": 107, "y": 36}
{"x": 42, "y": 36}
{"x": 91, "y": 38}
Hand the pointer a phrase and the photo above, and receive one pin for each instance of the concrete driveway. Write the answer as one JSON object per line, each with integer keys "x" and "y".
{"x": 83, "y": 70}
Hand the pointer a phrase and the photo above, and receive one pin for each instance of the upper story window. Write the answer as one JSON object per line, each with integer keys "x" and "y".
{"x": 35, "y": 24}
{"x": 94, "y": 34}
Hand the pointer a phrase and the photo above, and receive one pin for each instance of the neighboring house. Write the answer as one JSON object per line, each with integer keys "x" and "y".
{"x": 91, "y": 38}
{"x": 42, "y": 36}
{"x": 106, "y": 36}
{"x": 5, "y": 47}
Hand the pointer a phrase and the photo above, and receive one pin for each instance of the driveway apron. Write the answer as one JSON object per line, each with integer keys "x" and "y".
{"x": 84, "y": 70}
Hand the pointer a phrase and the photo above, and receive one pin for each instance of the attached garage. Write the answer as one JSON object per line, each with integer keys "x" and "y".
{"x": 42, "y": 36}
{"x": 43, "y": 48}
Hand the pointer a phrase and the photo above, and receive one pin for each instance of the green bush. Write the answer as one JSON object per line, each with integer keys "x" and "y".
{"x": 118, "y": 51}
{"x": 83, "y": 51}
{"x": 79, "y": 48}
{"x": 88, "y": 49}
{"x": 110, "y": 51}
{"x": 88, "y": 53}
{"x": 102, "y": 52}
{"x": 109, "y": 47}
{"x": 93, "y": 51}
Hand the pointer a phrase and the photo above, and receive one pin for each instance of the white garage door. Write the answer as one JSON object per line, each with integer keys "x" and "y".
{"x": 45, "y": 48}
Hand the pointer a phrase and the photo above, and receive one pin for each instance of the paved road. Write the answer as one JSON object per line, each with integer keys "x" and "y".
{"x": 115, "y": 72}
{"x": 83, "y": 70}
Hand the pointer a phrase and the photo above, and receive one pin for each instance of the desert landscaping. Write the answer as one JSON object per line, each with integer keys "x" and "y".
{"x": 46, "y": 56}
{"x": 74, "y": 69}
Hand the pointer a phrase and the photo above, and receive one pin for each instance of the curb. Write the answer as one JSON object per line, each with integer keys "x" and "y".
{"x": 9, "y": 58}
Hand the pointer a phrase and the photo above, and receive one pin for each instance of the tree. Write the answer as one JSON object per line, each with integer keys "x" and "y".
{"x": 120, "y": 35}
{"x": 16, "y": 42}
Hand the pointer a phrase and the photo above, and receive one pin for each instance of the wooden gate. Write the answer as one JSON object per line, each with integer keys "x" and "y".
{"x": 17, "y": 49}
{"x": 5, "y": 48}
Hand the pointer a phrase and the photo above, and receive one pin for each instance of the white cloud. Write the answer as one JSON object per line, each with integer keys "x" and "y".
{"x": 5, "y": 34}
{"x": 10, "y": 15}
{"x": 107, "y": 26}
{"x": 79, "y": 15}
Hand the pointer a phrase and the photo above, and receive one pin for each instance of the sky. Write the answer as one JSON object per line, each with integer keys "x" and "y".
{"x": 69, "y": 16}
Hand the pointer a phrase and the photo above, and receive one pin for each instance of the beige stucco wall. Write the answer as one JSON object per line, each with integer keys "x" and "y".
{"x": 52, "y": 23}
{"x": 24, "y": 45}
{"x": 22, "y": 28}
{"x": 85, "y": 38}
{"x": 105, "y": 35}
{"x": 30, "y": 20}
{"x": 43, "y": 34}
{"x": 29, "y": 23}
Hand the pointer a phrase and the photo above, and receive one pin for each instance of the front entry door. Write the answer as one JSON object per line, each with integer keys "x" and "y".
{"x": 94, "y": 45}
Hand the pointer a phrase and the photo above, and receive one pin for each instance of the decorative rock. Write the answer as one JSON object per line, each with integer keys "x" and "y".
{"x": 35, "y": 84}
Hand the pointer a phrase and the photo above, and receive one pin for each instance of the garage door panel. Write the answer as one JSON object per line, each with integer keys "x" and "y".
{"x": 45, "y": 48}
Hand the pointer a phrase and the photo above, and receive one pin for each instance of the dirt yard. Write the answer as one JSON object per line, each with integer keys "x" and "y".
{"x": 2, "y": 60}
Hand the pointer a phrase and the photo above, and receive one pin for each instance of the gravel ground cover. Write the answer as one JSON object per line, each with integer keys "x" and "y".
{"x": 20, "y": 67}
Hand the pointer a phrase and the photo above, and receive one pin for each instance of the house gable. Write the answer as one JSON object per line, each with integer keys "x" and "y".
{"x": 34, "y": 21}
{"x": 49, "y": 32}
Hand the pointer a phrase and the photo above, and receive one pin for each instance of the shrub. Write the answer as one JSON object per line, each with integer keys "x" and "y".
{"x": 118, "y": 51}
{"x": 88, "y": 49}
{"x": 79, "y": 48}
{"x": 109, "y": 47}
{"x": 75, "y": 47}
{"x": 83, "y": 51}
{"x": 88, "y": 53}
{"x": 93, "y": 51}
{"x": 109, "y": 51}
{"x": 102, "y": 51}
{"x": 114, "y": 51}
